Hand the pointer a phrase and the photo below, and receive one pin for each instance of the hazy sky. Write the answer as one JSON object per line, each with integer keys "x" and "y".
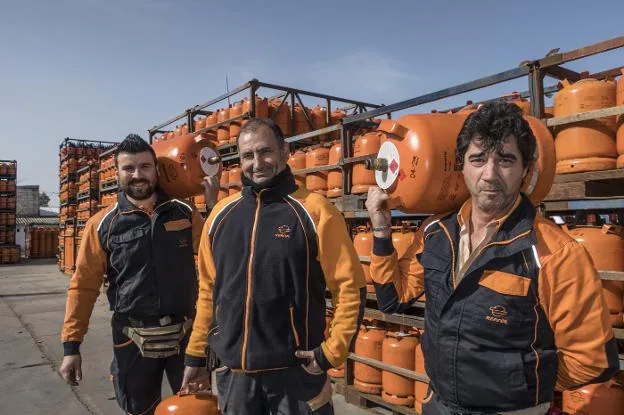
{"x": 102, "y": 69}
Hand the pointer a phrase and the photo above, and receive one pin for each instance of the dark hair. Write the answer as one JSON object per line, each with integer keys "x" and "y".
{"x": 491, "y": 124}
{"x": 255, "y": 124}
{"x": 133, "y": 144}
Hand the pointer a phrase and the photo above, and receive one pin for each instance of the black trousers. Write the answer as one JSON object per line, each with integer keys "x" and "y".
{"x": 137, "y": 379}
{"x": 291, "y": 391}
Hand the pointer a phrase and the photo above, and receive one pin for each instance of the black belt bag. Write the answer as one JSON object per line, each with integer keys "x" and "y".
{"x": 159, "y": 342}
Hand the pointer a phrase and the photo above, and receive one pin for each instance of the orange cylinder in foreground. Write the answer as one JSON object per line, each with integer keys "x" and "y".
{"x": 595, "y": 399}
{"x": 416, "y": 163}
{"x": 364, "y": 145}
{"x": 183, "y": 162}
{"x": 193, "y": 404}
{"x": 363, "y": 244}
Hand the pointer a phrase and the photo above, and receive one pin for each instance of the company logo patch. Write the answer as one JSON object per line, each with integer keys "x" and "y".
{"x": 183, "y": 243}
{"x": 283, "y": 232}
{"x": 498, "y": 312}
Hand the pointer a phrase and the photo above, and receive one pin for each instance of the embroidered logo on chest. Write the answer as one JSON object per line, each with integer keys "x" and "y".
{"x": 283, "y": 232}
{"x": 498, "y": 312}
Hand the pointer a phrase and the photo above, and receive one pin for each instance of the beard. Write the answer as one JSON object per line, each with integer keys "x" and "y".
{"x": 494, "y": 202}
{"x": 139, "y": 193}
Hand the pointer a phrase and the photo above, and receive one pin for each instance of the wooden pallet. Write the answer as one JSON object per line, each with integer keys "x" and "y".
{"x": 603, "y": 184}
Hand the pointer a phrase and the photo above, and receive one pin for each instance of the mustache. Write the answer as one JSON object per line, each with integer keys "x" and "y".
{"x": 139, "y": 181}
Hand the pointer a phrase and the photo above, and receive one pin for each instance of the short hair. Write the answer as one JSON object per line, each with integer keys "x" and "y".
{"x": 491, "y": 124}
{"x": 134, "y": 144}
{"x": 255, "y": 124}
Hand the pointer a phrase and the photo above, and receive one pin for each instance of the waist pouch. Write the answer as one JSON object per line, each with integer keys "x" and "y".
{"x": 159, "y": 342}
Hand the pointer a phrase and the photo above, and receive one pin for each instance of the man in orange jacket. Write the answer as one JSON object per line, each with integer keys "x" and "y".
{"x": 145, "y": 245}
{"x": 514, "y": 306}
{"x": 266, "y": 257}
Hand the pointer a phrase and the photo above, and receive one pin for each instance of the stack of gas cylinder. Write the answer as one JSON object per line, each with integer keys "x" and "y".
{"x": 586, "y": 145}
{"x": 393, "y": 345}
{"x": 107, "y": 180}
{"x": 402, "y": 238}
{"x": 9, "y": 252}
{"x": 605, "y": 245}
{"x": 42, "y": 243}
{"x": 74, "y": 156}
{"x": 88, "y": 187}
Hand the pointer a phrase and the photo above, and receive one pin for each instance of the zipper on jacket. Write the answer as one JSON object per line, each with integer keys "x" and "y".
{"x": 292, "y": 324}
{"x": 249, "y": 269}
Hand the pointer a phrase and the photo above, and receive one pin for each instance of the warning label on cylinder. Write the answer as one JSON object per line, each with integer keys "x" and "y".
{"x": 386, "y": 177}
{"x": 205, "y": 154}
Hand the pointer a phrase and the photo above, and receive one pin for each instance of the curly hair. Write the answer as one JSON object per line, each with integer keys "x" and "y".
{"x": 491, "y": 124}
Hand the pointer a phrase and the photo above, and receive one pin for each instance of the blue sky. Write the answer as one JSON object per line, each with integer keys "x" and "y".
{"x": 102, "y": 69}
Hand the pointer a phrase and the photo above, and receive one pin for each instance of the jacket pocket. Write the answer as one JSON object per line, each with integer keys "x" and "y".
{"x": 505, "y": 283}
{"x": 177, "y": 225}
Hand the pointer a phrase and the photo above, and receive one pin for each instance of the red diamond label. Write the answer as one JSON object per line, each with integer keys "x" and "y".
{"x": 394, "y": 166}
{"x": 203, "y": 159}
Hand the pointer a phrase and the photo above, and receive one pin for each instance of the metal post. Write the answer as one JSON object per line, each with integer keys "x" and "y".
{"x": 536, "y": 90}
{"x": 347, "y": 152}
{"x": 292, "y": 113}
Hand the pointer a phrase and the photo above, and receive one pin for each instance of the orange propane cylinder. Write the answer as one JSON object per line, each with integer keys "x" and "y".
{"x": 399, "y": 349}
{"x": 3, "y": 169}
{"x": 368, "y": 344}
{"x": 302, "y": 125}
{"x": 595, "y": 399}
{"x": 420, "y": 388}
{"x": 334, "y": 177}
{"x": 297, "y": 161}
{"x": 319, "y": 120}
{"x": 183, "y": 163}
{"x": 3, "y": 186}
{"x": 515, "y": 98}
{"x": 200, "y": 123}
{"x": 605, "y": 245}
{"x": 193, "y": 404}
{"x": 235, "y": 179}
{"x": 591, "y": 139}
{"x": 281, "y": 115}
{"x": 335, "y": 118}
{"x": 47, "y": 246}
{"x": 212, "y": 119}
{"x": 235, "y": 126}
{"x": 224, "y": 181}
{"x": 262, "y": 107}
{"x": 363, "y": 244}
{"x": 362, "y": 177}
{"x": 223, "y": 132}
{"x": 317, "y": 182}
{"x": 10, "y": 186}
{"x": 416, "y": 163}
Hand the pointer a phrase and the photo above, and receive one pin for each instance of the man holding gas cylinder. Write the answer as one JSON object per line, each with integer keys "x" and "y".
{"x": 514, "y": 307}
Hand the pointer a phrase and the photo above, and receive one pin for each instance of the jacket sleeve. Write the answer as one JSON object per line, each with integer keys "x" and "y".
{"x": 571, "y": 297}
{"x": 196, "y": 349}
{"x": 84, "y": 287}
{"x": 398, "y": 281}
{"x": 198, "y": 225}
{"x": 345, "y": 280}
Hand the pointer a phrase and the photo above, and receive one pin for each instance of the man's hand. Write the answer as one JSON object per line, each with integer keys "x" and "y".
{"x": 312, "y": 367}
{"x": 71, "y": 369}
{"x": 376, "y": 204}
{"x": 195, "y": 379}
{"x": 211, "y": 190}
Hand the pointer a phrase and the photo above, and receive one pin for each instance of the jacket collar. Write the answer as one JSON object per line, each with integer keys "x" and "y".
{"x": 277, "y": 188}
{"x": 125, "y": 205}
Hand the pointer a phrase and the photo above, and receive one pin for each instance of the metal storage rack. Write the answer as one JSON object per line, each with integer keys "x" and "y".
{"x": 9, "y": 197}
{"x": 598, "y": 191}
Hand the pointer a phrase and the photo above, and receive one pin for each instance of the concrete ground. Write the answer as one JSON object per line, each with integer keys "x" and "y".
{"x": 32, "y": 306}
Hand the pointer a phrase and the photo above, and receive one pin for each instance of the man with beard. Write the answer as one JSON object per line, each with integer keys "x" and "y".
{"x": 266, "y": 256}
{"x": 513, "y": 304}
{"x": 145, "y": 246}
